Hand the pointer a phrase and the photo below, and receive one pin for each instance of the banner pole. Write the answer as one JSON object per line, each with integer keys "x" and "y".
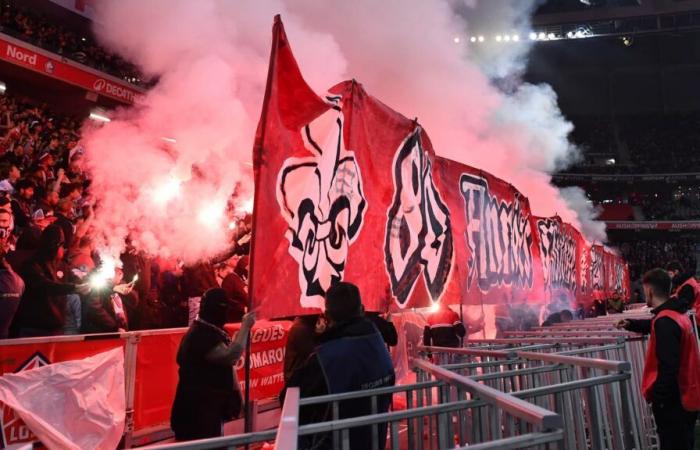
{"x": 461, "y": 318}
{"x": 257, "y": 161}
{"x": 247, "y": 422}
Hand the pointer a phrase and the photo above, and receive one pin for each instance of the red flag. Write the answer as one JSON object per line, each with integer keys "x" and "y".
{"x": 288, "y": 106}
{"x": 349, "y": 189}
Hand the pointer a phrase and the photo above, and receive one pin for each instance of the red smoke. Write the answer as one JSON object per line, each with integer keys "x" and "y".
{"x": 211, "y": 59}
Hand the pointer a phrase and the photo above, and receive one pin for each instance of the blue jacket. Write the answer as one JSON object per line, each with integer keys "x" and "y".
{"x": 351, "y": 357}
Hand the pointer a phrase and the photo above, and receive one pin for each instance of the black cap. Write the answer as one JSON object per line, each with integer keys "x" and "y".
{"x": 343, "y": 302}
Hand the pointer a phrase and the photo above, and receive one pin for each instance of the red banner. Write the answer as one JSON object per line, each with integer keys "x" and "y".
{"x": 497, "y": 259}
{"x": 51, "y": 65}
{"x": 156, "y": 370}
{"x": 347, "y": 184}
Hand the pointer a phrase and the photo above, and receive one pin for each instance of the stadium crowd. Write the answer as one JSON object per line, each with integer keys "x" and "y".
{"x": 638, "y": 144}
{"x": 48, "y": 247}
{"x": 26, "y": 24}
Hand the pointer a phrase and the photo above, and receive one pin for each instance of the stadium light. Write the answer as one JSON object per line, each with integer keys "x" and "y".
{"x": 516, "y": 38}
{"x": 506, "y": 38}
{"x": 472, "y": 39}
{"x": 3, "y": 87}
{"x": 551, "y": 36}
{"x": 456, "y": 39}
{"x": 99, "y": 116}
{"x": 481, "y": 39}
{"x": 498, "y": 38}
{"x": 541, "y": 36}
{"x": 533, "y": 36}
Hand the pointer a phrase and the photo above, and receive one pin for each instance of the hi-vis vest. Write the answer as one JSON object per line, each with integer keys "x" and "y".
{"x": 689, "y": 371}
{"x": 442, "y": 328}
{"x": 692, "y": 282}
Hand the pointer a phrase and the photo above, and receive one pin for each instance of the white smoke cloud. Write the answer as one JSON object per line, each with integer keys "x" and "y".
{"x": 211, "y": 58}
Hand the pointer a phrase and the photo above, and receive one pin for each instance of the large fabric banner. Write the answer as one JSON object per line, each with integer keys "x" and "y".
{"x": 559, "y": 247}
{"x": 496, "y": 255}
{"x": 598, "y": 280}
{"x": 349, "y": 189}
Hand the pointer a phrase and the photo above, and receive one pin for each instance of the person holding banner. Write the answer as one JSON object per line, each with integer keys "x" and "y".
{"x": 671, "y": 379}
{"x": 208, "y": 393}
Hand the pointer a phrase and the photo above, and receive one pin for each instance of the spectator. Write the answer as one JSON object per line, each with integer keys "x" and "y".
{"x": 43, "y": 305}
{"x": 22, "y": 203}
{"x": 11, "y": 285}
{"x": 207, "y": 391}
{"x": 351, "y": 356}
{"x": 47, "y": 204}
{"x": 9, "y": 175}
{"x": 104, "y": 310}
{"x": 385, "y": 326}
{"x": 301, "y": 342}
{"x": 672, "y": 366}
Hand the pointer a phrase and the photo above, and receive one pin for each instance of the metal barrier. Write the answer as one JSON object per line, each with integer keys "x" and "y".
{"x": 593, "y": 395}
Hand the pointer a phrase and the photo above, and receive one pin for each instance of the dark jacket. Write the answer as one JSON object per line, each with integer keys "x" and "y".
{"x": 22, "y": 212}
{"x": 42, "y": 308}
{"x": 386, "y": 329}
{"x": 99, "y": 316}
{"x": 206, "y": 392}
{"x": 197, "y": 279}
{"x": 686, "y": 296}
{"x": 668, "y": 352}
{"x": 11, "y": 289}
{"x": 301, "y": 342}
{"x": 350, "y": 357}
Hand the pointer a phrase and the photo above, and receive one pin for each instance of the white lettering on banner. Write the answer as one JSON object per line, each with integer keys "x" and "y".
{"x": 418, "y": 237}
{"x": 558, "y": 252}
{"x": 597, "y": 270}
{"x": 263, "y": 358}
{"x": 103, "y": 86}
{"x": 499, "y": 237}
{"x": 267, "y": 334}
{"x": 22, "y": 56}
{"x": 583, "y": 273}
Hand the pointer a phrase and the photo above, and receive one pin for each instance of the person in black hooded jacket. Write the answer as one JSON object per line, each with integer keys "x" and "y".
{"x": 42, "y": 307}
{"x": 207, "y": 392}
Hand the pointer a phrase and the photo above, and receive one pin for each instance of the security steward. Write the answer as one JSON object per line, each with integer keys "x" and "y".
{"x": 444, "y": 328}
{"x": 685, "y": 287}
{"x": 671, "y": 379}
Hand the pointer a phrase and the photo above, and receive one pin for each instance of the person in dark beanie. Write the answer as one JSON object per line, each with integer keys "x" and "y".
{"x": 351, "y": 356}
{"x": 42, "y": 308}
{"x": 671, "y": 379}
{"x": 208, "y": 393}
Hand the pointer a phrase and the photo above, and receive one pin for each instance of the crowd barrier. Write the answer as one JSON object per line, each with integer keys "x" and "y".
{"x": 569, "y": 386}
{"x": 150, "y": 375}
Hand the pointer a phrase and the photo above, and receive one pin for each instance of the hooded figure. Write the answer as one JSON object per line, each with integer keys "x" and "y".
{"x": 208, "y": 393}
